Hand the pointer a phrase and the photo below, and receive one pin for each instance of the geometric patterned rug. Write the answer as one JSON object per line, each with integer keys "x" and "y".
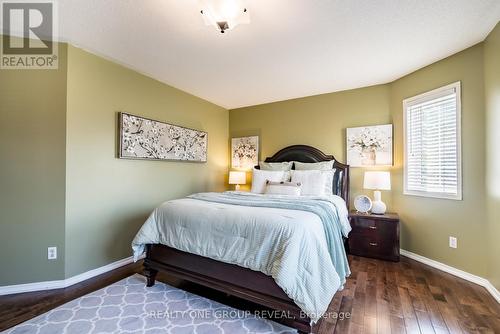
{"x": 128, "y": 306}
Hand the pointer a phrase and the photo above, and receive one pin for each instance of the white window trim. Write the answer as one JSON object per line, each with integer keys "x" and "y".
{"x": 429, "y": 95}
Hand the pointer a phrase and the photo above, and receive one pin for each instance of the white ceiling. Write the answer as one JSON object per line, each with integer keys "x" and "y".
{"x": 292, "y": 48}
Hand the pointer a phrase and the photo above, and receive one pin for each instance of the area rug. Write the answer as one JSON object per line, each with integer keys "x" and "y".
{"x": 128, "y": 306}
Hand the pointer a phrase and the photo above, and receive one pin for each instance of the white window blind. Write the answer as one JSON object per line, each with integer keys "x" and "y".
{"x": 433, "y": 144}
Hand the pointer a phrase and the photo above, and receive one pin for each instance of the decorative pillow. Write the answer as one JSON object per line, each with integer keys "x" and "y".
{"x": 323, "y": 165}
{"x": 275, "y": 165}
{"x": 260, "y": 177}
{"x": 314, "y": 182}
{"x": 283, "y": 188}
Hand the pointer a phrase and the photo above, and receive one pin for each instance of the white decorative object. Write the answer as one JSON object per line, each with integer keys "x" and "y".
{"x": 237, "y": 178}
{"x": 143, "y": 138}
{"x": 369, "y": 146}
{"x": 244, "y": 152}
{"x": 377, "y": 181}
{"x": 224, "y": 14}
{"x": 363, "y": 203}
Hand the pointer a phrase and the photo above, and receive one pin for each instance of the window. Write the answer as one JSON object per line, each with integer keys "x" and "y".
{"x": 433, "y": 166}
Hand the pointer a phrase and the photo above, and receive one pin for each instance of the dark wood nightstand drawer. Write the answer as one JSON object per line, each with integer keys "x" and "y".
{"x": 374, "y": 236}
{"x": 369, "y": 226}
{"x": 374, "y": 246}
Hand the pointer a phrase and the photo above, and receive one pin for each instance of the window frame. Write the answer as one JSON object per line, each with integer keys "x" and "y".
{"x": 421, "y": 98}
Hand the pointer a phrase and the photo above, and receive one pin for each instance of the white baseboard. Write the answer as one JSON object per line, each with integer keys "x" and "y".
{"x": 98, "y": 271}
{"x": 455, "y": 272}
{"x": 64, "y": 283}
{"x": 59, "y": 284}
{"x": 28, "y": 287}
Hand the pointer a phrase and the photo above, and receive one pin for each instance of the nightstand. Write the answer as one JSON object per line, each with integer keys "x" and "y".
{"x": 374, "y": 236}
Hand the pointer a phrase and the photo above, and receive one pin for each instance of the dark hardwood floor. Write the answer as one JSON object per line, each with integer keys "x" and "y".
{"x": 410, "y": 297}
{"x": 379, "y": 297}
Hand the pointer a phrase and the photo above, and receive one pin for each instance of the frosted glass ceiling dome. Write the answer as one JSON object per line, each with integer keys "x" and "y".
{"x": 224, "y": 14}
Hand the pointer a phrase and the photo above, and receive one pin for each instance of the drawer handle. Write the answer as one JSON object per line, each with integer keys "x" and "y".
{"x": 372, "y": 227}
{"x": 373, "y": 244}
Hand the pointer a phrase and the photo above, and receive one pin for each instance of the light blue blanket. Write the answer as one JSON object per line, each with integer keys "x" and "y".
{"x": 321, "y": 207}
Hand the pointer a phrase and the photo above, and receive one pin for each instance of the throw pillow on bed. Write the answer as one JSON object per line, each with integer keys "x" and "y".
{"x": 275, "y": 165}
{"x": 323, "y": 165}
{"x": 314, "y": 182}
{"x": 260, "y": 177}
{"x": 283, "y": 188}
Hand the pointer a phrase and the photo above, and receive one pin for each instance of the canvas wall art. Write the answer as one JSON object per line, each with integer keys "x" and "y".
{"x": 143, "y": 138}
{"x": 369, "y": 146}
{"x": 245, "y": 152}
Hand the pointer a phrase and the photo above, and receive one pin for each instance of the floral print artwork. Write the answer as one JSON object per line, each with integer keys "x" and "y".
{"x": 142, "y": 138}
{"x": 245, "y": 152}
{"x": 369, "y": 146}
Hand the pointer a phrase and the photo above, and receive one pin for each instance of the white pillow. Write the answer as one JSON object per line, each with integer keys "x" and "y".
{"x": 323, "y": 165}
{"x": 283, "y": 188}
{"x": 275, "y": 165}
{"x": 260, "y": 177}
{"x": 314, "y": 182}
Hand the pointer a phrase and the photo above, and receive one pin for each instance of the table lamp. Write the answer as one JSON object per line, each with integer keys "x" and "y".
{"x": 377, "y": 181}
{"x": 237, "y": 178}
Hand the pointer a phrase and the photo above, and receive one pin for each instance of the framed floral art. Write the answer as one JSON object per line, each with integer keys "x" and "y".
{"x": 245, "y": 152}
{"x": 144, "y": 138}
{"x": 369, "y": 146}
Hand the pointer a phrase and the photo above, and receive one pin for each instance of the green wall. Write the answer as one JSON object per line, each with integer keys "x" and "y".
{"x": 321, "y": 120}
{"x": 427, "y": 223}
{"x": 32, "y": 164}
{"x": 492, "y": 94}
{"x": 61, "y": 183}
{"x": 108, "y": 199}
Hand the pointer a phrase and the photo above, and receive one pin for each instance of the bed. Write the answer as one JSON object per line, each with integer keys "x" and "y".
{"x": 262, "y": 284}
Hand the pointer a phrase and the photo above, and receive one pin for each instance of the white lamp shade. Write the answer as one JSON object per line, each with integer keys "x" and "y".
{"x": 237, "y": 177}
{"x": 377, "y": 180}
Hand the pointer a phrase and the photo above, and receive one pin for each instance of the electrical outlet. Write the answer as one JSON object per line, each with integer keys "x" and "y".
{"x": 453, "y": 242}
{"x": 52, "y": 253}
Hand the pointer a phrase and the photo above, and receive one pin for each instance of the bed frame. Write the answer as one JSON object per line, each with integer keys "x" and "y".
{"x": 237, "y": 281}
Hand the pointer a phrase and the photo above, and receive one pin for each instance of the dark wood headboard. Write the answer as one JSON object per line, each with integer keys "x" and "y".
{"x": 304, "y": 153}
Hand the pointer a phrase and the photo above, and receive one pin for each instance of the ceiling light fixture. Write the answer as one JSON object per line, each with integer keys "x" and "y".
{"x": 224, "y": 14}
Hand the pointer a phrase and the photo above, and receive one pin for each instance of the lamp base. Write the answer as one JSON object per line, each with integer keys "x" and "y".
{"x": 237, "y": 187}
{"x": 378, "y": 207}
